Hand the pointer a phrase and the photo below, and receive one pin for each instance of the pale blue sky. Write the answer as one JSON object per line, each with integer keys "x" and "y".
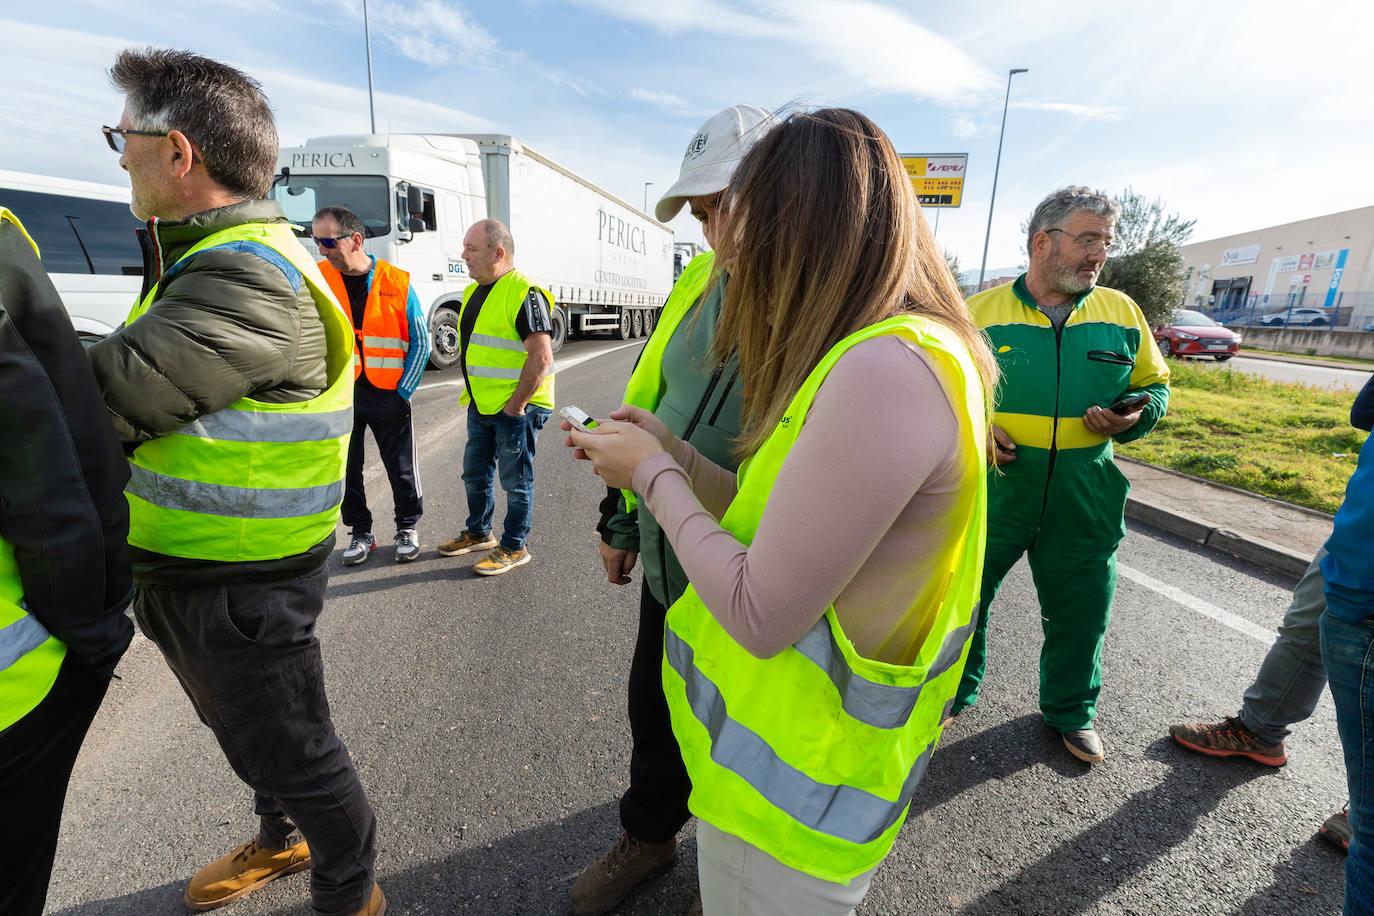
{"x": 1241, "y": 115}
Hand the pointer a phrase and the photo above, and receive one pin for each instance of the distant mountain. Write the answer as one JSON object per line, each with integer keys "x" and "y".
{"x": 970, "y": 277}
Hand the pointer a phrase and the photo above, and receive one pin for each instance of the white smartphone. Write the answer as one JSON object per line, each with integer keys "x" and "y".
{"x": 578, "y": 418}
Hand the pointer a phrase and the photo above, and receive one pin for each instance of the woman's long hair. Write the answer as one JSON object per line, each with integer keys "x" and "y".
{"x": 822, "y": 237}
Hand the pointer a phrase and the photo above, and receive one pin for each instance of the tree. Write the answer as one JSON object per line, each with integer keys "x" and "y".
{"x": 1148, "y": 263}
{"x": 952, "y": 261}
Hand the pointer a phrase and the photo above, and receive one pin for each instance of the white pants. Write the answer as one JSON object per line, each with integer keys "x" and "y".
{"x": 738, "y": 879}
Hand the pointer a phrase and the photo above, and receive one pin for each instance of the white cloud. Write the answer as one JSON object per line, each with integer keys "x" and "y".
{"x": 1080, "y": 112}
{"x": 430, "y": 32}
{"x": 964, "y": 127}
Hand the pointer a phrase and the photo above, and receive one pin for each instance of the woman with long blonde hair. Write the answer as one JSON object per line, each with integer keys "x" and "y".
{"x": 834, "y": 578}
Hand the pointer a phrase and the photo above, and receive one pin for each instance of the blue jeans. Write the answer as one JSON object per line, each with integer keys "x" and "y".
{"x": 1349, "y": 652}
{"x": 1292, "y": 677}
{"x": 506, "y": 443}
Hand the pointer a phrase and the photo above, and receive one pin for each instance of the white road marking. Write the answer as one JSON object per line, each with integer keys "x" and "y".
{"x": 1197, "y": 605}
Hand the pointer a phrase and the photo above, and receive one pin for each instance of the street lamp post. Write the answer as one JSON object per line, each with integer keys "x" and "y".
{"x": 995, "y": 169}
{"x": 646, "y": 195}
{"x": 367, "y": 40}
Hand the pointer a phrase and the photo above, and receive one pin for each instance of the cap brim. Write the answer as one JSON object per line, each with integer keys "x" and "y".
{"x": 700, "y": 182}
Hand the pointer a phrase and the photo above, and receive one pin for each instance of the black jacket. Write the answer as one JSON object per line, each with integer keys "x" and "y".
{"x": 62, "y": 471}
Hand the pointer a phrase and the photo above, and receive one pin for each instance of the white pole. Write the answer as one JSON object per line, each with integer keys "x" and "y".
{"x": 367, "y": 40}
{"x": 995, "y": 169}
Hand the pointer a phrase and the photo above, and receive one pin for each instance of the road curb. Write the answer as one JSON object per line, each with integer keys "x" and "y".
{"x": 1247, "y": 547}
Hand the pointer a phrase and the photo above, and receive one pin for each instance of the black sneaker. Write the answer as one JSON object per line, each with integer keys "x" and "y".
{"x": 359, "y": 549}
{"x": 407, "y": 545}
{"x": 1084, "y": 744}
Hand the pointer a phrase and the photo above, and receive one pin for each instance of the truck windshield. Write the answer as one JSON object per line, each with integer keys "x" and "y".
{"x": 302, "y": 196}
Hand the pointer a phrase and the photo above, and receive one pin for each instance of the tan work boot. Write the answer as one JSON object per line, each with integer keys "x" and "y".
{"x": 606, "y": 881}
{"x": 243, "y": 871}
{"x": 376, "y": 904}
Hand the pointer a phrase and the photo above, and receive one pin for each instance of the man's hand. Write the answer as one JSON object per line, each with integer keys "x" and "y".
{"x": 1001, "y": 448}
{"x": 1108, "y": 422}
{"x": 618, "y": 563}
{"x": 516, "y": 412}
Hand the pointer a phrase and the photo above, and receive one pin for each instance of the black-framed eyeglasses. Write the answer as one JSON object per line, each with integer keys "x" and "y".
{"x": 115, "y": 135}
{"x": 330, "y": 241}
{"x": 1089, "y": 246}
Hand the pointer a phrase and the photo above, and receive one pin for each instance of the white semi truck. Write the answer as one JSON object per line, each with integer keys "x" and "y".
{"x": 608, "y": 265}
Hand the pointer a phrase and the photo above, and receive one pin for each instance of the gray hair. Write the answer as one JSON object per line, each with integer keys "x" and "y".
{"x": 1053, "y": 210}
{"x": 498, "y": 236}
{"x": 222, "y": 111}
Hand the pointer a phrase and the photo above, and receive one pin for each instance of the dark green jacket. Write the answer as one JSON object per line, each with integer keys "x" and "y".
{"x": 226, "y": 324}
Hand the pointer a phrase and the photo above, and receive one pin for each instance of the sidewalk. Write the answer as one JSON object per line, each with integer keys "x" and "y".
{"x": 1273, "y": 534}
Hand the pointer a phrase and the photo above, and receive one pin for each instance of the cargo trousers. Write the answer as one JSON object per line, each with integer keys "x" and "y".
{"x": 248, "y": 658}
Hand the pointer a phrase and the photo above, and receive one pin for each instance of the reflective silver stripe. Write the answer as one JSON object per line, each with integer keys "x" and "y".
{"x": 872, "y": 703}
{"x": 231, "y": 502}
{"x": 270, "y": 426}
{"x": 500, "y": 343}
{"x": 20, "y": 638}
{"x": 491, "y": 372}
{"x": 386, "y": 362}
{"x": 388, "y": 343}
{"x": 841, "y": 811}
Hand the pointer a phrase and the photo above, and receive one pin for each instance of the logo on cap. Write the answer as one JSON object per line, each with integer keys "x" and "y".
{"x": 697, "y": 146}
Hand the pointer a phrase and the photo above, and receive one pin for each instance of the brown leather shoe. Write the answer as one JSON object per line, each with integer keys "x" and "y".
{"x": 243, "y": 871}
{"x": 376, "y": 904}
{"x": 605, "y": 882}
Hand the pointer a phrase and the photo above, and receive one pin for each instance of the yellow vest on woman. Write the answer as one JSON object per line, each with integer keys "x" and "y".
{"x": 813, "y": 755}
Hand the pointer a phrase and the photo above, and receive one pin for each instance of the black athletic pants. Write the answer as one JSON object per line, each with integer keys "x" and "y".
{"x": 387, "y": 414}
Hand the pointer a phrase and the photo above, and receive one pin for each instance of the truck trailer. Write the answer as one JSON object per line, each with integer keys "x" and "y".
{"x": 608, "y": 265}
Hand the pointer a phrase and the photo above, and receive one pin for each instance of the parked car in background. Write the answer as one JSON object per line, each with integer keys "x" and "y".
{"x": 1309, "y": 317}
{"x": 1192, "y": 333}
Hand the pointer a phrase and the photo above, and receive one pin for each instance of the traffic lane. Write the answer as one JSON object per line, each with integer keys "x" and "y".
{"x": 486, "y": 719}
{"x": 1007, "y": 822}
{"x": 1333, "y": 378}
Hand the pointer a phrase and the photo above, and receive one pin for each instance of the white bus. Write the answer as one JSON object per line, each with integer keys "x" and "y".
{"x": 85, "y": 234}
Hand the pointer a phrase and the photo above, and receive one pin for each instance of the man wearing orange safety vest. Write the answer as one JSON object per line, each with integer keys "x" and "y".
{"x": 390, "y": 357}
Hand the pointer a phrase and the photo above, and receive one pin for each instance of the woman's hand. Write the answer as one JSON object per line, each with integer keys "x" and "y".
{"x": 616, "y": 448}
{"x": 645, "y": 421}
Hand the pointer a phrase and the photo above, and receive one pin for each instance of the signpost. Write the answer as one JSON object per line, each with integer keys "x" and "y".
{"x": 938, "y": 178}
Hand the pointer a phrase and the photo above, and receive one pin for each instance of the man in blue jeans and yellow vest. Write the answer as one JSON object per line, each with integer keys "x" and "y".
{"x": 231, "y": 387}
{"x": 505, "y": 332}
{"x": 64, "y": 563}
{"x": 1073, "y": 355}
{"x": 389, "y": 356}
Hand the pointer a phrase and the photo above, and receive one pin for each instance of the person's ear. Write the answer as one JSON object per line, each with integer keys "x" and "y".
{"x": 183, "y": 154}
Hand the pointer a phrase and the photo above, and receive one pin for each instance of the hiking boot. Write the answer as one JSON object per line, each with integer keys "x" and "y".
{"x": 1336, "y": 829}
{"x": 243, "y": 871}
{"x": 467, "y": 542}
{"x": 407, "y": 545}
{"x": 1228, "y": 738}
{"x": 1084, "y": 744}
{"x": 376, "y": 904}
{"x": 501, "y": 561}
{"x": 359, "y": 549}
{"x": 605, "y": 882}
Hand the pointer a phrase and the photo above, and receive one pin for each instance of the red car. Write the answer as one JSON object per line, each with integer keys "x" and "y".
{"x": 1194, "y": 334}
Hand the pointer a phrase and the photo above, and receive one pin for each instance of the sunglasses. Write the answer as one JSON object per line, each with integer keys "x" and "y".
{"x": 330, "y": 241}
{"x": 116, "y": 136}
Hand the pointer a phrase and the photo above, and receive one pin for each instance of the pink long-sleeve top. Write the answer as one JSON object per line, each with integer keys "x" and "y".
{"x": 850, "y": 519}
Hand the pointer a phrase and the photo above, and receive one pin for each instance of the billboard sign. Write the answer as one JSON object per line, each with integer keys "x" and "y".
{"x": 938, "y": 178}
{"x": 1247, "y": 255}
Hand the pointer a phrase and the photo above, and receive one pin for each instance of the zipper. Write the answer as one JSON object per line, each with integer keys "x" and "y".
{"x": 1054, "y": 420}
{"x": 705, "y": 399}
{"x": 720, "y": 405}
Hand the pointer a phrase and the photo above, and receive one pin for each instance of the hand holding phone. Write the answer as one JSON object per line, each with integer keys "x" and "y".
{"x": 1130, "y": 403}
{"x": 579, "y": 418}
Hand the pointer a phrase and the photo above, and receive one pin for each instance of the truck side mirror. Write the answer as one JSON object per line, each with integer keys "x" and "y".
{"x": 415, "y": 203}
{"x": 416, "y": 224}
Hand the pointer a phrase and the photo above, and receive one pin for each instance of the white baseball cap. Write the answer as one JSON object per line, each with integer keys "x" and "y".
{"x": 713, "y": 154}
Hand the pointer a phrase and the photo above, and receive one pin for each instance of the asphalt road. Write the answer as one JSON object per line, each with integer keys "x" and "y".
{"x": 486, "y": 717}
{"x": 1333, "y": 377}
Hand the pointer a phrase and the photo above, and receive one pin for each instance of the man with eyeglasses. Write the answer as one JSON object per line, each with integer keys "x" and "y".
{"x": 389, "y": 358}
{"x": 230, "y": 387}
{"x": 1079, "y": 369}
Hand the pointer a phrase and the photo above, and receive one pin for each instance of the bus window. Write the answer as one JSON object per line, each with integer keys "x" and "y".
{"x": 78, "y": 235}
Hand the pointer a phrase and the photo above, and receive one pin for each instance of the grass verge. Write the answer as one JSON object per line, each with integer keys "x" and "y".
{"x": 1338, "y": 360}
{"x": 1286, "y": 440}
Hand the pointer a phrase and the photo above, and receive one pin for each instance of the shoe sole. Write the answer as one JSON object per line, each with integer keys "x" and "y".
{"x": 485, "y": 545}
{"x": 201, "y": 906}
{"x": 409, "y": 559}
{"x": 357, "y": 561}
{"x": 1214, "y": 752}
{"x": 1085, "y": 757}
{"x": 504, "y": 569}
{"x": 658, "y": 872}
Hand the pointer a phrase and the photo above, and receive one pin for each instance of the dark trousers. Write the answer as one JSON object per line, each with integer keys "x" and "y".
{"x": 654, "y": 808}
{"x": 36, "y": 758}
{"x": 248, "y": 658}
{"x": 387, "y": 414}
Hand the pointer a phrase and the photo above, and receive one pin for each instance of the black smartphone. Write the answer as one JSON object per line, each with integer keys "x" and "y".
{"x": 1130, "y": 403}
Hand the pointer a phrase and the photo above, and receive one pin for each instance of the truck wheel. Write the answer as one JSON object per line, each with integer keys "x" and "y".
{"x": 650, "y": 319}
{"x": 443, "y": 329}
{"x": 623, "y": 332}
{"x": 637, "y": 322}
{"x": 560, "y": 329}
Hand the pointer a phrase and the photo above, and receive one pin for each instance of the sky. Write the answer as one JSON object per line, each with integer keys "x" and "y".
{"x": 1237, "y": 114}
